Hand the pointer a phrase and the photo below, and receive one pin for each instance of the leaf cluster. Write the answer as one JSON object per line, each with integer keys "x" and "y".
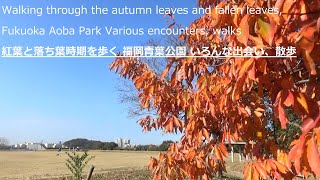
{"x": 76, "y": 163}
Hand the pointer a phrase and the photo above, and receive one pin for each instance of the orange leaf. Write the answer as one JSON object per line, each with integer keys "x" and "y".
{"x": 258, "y": 114}
{"x": 255, "y": 173}
{"x": 282, "y": 168}
{"x": 289, "y": 99}
{"x": 205, "y": 177}
{"x": 302, "y": 101}
{"x": 199, "y": 164}
{"x": 248, "y": 172}
{"x": 223, "y": 149}
{"x": 282, "y": 157}
{"x": 313, "y": 156}
{"x": 174, "y": 78}
{"x": 279, "y": 110}
{"x": 267, "y": 166}
{"x": 149, "y": 90}
{"x": 262, "y": 172}
{"x": 238, "y": 88}
{"x": 309, "y": 63}
{"x": 267, "y": 28}
{"x": 303, "y": 9}
{"x": 244, "y": 26}
{"x": 245, "y": 66}
{"x": 206, "y": 134}
{"x": 279, "y": 4}
{"x": 287, "y": 5}
{"x": 307, "y": 125}
{"x": 305, "y": 44}
{"x": 250, "y": 2}
{"x": 218, "y": 153}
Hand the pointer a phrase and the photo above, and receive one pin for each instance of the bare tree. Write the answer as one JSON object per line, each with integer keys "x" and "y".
{"x": 127, "y": 92}
{"x": 4, "y": 141}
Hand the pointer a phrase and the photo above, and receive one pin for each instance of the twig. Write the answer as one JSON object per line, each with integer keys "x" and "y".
{"x": 90, "y": 173}
{"x": 302, "y": 82}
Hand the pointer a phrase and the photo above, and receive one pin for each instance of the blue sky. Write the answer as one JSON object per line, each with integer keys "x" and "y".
{"x": 58, "y": 99}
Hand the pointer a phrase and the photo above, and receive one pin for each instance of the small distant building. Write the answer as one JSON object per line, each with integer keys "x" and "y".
{"x": 36, "y": 147}
{"x": 120, "y": 143}
{"x": 48, "y": 145}
{"x": 123, "y": 143}
{"x": 20, "y": 146}
{"x": 127, "y": 141}
{"x": 23, "y": 146}
{"x": 56, "y": 146}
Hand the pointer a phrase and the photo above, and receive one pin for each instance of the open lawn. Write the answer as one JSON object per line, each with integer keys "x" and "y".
{"x": 109, "y": 165}
{"x": 29, "y": 164}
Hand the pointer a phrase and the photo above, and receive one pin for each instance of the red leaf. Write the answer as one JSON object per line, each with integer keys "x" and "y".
{"x": 287, "y": 82}
{"x": 289, "y": 101}
{"x": 307, "y": 125}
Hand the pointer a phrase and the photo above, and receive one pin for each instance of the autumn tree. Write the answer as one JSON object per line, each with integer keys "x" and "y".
{"x": 211, "y": 102}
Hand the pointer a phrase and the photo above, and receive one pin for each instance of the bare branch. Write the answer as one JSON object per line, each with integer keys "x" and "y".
{"x": 302, "y": 82}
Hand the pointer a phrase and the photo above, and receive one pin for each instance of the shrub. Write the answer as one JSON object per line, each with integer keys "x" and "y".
{"x": 76, "y": 163}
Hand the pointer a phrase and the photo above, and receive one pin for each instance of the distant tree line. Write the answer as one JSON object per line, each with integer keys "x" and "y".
{"x": 90, "y": 144}
{"x": 108, "y": 146}
{"x": 4, "y": 147}
{"x": 98, "y": 145}
{"x": 4, "y": 144}
{"x": 162, "y": 147}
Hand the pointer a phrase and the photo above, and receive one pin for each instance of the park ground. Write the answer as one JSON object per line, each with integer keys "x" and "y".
{"x": 113, "y": 165}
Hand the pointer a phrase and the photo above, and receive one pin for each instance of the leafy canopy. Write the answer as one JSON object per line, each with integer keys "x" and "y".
{"x": 211, "y": 104}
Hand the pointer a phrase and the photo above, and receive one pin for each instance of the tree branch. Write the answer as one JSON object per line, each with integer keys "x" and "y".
{"x": 302, "y": 82}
